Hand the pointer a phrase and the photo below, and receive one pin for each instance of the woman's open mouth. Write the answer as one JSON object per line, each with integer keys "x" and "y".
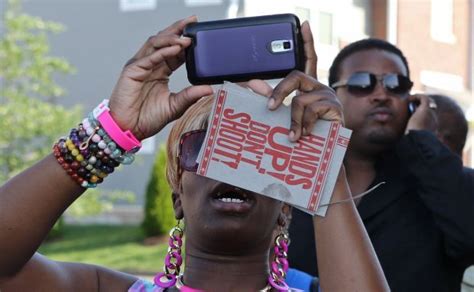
{"x": 227, "y": 198}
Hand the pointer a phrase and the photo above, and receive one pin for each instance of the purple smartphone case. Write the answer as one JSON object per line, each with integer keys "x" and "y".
{"x": 241, "y": 50}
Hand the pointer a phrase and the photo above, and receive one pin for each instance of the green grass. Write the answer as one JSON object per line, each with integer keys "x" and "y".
{"x": 116, "y": 247}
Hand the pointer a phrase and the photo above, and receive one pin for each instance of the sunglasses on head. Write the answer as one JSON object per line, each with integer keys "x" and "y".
{"x": 189, "y": 146}
{"x": 364, "y": 83}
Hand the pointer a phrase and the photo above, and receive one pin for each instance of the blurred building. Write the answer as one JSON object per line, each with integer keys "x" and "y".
{"x": 435, "y": 35}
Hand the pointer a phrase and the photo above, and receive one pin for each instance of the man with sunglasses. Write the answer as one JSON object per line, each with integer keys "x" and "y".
{"x": 420, "y": 220}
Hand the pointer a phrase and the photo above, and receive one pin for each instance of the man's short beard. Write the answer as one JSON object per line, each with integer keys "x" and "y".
{"x": 382, "y": 137}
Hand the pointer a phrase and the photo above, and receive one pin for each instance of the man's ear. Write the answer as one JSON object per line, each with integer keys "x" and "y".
{"x": 177, "y": 206}
{"x": 284, "y": 219}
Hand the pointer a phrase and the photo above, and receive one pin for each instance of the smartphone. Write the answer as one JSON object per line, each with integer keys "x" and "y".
{"x": 263, "y": 47}
{"x": 412, "y": 105}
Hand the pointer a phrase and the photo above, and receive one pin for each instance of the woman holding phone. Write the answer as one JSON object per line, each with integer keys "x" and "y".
{"x": 228, "y": 230}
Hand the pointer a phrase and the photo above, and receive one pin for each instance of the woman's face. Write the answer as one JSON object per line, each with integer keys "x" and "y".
{"x": 224, "y": 218}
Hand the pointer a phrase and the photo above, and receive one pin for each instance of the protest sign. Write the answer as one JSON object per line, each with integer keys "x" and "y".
{"x": 247, "y": 145}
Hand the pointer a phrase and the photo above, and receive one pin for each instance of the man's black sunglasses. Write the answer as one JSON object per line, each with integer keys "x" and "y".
{"x": 363, "y": 83}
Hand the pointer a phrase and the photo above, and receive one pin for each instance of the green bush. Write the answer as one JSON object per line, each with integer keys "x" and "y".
{"x": 159, "y": 214}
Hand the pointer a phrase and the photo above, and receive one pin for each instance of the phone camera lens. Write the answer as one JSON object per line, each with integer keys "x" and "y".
{"x": 286, "y": 45}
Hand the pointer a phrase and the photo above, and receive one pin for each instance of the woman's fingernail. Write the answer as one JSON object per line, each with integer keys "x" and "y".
{"x": 291, "y": 136}
{"x": 271, "y": 102}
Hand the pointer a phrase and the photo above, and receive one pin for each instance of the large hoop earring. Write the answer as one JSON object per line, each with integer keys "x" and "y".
{"x": 173, "y": 259}
{"x": 279, "y": 266}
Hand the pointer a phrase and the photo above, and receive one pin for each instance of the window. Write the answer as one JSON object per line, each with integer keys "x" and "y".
{"x": 442, "y": 80}
{"x": 136, "y": 5}
{"x": 193, "y": 3}
{"x": 325, "y": 28}
{"x": 442, "y": 21}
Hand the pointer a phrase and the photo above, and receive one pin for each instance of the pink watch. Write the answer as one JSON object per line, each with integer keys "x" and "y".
{"x": 125, "y": 139}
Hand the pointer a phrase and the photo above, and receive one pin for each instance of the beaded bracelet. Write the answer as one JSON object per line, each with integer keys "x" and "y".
{"x": 91, "y": 169}
{"x": 88, "y": 154}
{"x": 91, "y": 124}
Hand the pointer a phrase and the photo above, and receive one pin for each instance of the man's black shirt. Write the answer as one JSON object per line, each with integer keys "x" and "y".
{"x": 420, "y": 222}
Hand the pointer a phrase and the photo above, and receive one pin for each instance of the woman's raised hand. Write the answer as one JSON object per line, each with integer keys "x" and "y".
{"x": 141, "y": 100}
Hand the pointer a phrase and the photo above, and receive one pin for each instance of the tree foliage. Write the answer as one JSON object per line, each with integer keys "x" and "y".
{"x": 30, "y": 119}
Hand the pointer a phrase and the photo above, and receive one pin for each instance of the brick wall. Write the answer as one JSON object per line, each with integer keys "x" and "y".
{"x": 379, "y": 19}
{"x": 424, "y": 53}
